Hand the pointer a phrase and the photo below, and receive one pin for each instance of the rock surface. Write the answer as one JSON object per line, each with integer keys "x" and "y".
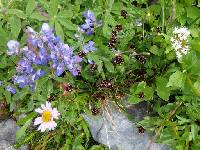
{"x": 114, "y": 130}
{"x": 8, "y": 130}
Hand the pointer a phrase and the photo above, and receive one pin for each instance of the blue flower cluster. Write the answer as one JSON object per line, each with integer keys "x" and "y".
{"x": 90, "y": 22}
{"x": 43, "y": 49}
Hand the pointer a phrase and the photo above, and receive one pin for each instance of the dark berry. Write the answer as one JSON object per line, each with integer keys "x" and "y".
{"x": 81, "y": 54}
{"x": 118, "y": 28}
{"x": 95, "y": 111}
{"x": 141, "y": 129}
{"x": 93, "y": 67}
{"x": 141, "y": 95}
{"x": 118, "y": 60}
{"x": 124, "y": 13}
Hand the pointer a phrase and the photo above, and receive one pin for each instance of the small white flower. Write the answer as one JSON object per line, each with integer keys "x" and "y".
{"x": 48, "y": 114}
{"x": 13, "y": 47}
{"x": 180, "y": 41}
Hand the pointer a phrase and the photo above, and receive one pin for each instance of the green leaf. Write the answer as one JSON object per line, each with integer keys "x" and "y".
{"x": 109, "y": 66}
{"x": 53, "y": 8}
{"x": 22, "y": 131}
{"x": 15, "y": 23}
{"x": 59, "y": 30}
{"x": 162, "y": 91}
{"x": 38, "y": 16}
{"x": 30, "y": 7}
{"x": 134, "y": 100}
{"x": 177, "y": 79}
{"x": 17, "y": 12}
{"x": 68, "y": 25}
{"x": 192, "y": 12}
{"x": 154, "y": 49}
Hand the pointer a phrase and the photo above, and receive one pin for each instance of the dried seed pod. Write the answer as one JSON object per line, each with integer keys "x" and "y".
{"x": 118, "y": 60}
{"x": 124, "y": 13}
{"x": 141, "y": 129}
{"x": 119, "y": 95}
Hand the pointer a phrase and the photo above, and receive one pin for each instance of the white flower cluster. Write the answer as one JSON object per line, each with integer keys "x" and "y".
{"x": 180, "y": 41}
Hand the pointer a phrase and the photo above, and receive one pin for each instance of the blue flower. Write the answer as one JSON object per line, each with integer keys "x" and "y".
{"x": 1, "y": 83}
{"x": 89, "y": 15}
{"x": 10, "y": 89}
{"x": 13, "y": 47}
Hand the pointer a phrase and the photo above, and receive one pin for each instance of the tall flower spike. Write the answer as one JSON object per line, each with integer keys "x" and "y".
{"x": 46, "y": 120}
{"x": 180, "y": 41}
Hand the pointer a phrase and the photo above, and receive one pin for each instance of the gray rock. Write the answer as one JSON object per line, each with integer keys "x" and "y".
{"x": 8, "y": 130}
{"x": 114, "y": 130}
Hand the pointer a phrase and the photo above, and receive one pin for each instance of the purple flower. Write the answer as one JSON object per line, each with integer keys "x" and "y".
{"x": 89, "y": 47}
{"x": 90, "y": 22}
{"x": 1, "y": 83}
{"x": 89, "y": 15}
{"x": 13, "y": 47}
{"x": 45, "y": 28}
{"x": 10, "y": 89}
{"x": 60, "y": 69}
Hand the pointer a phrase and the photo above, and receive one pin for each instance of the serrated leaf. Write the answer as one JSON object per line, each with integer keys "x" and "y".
{"x": 192, "y": 12}
{"x": 154, "y": 49}
{"x": 162, "y": 91}
{"x": 177, "y": 79}
{"x": 30, "y": 7}
{"x": 134, "y": 100}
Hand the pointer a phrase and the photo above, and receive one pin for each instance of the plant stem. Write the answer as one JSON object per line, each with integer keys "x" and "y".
{"x": 194, "y": 90}
{"x": 162, "y": 126}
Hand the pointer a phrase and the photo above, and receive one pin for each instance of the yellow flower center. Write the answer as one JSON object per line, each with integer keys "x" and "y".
{"x": 46, "y": 116}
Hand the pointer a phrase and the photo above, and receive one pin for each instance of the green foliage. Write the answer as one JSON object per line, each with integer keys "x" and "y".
{"x": 150, "y": 71}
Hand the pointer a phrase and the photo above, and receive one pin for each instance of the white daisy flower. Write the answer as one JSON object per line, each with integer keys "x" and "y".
{"x": 180, "y": 41}
{"x": 48, "y": 114}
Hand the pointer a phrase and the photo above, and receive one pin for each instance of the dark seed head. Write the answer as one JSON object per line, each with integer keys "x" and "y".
{"x": 118, "y": 60}
{"x": 124, "y": 13}
{"x": 95, "y": 111}
{"x": 114, "y": 34}
{"x": 118, "y": 28}
{"x": 93, "y": 67}
{"x": 105, "y": 84}
{"x": 134, "y": 3}
{"x": 141, "y": 129}
{"x": 98, "y": 96}
{"x": 81, "y": 54}
{"x": 141, "y": 58}
{"x": 111, "y": 44}
{"x": 141, "y": 95}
